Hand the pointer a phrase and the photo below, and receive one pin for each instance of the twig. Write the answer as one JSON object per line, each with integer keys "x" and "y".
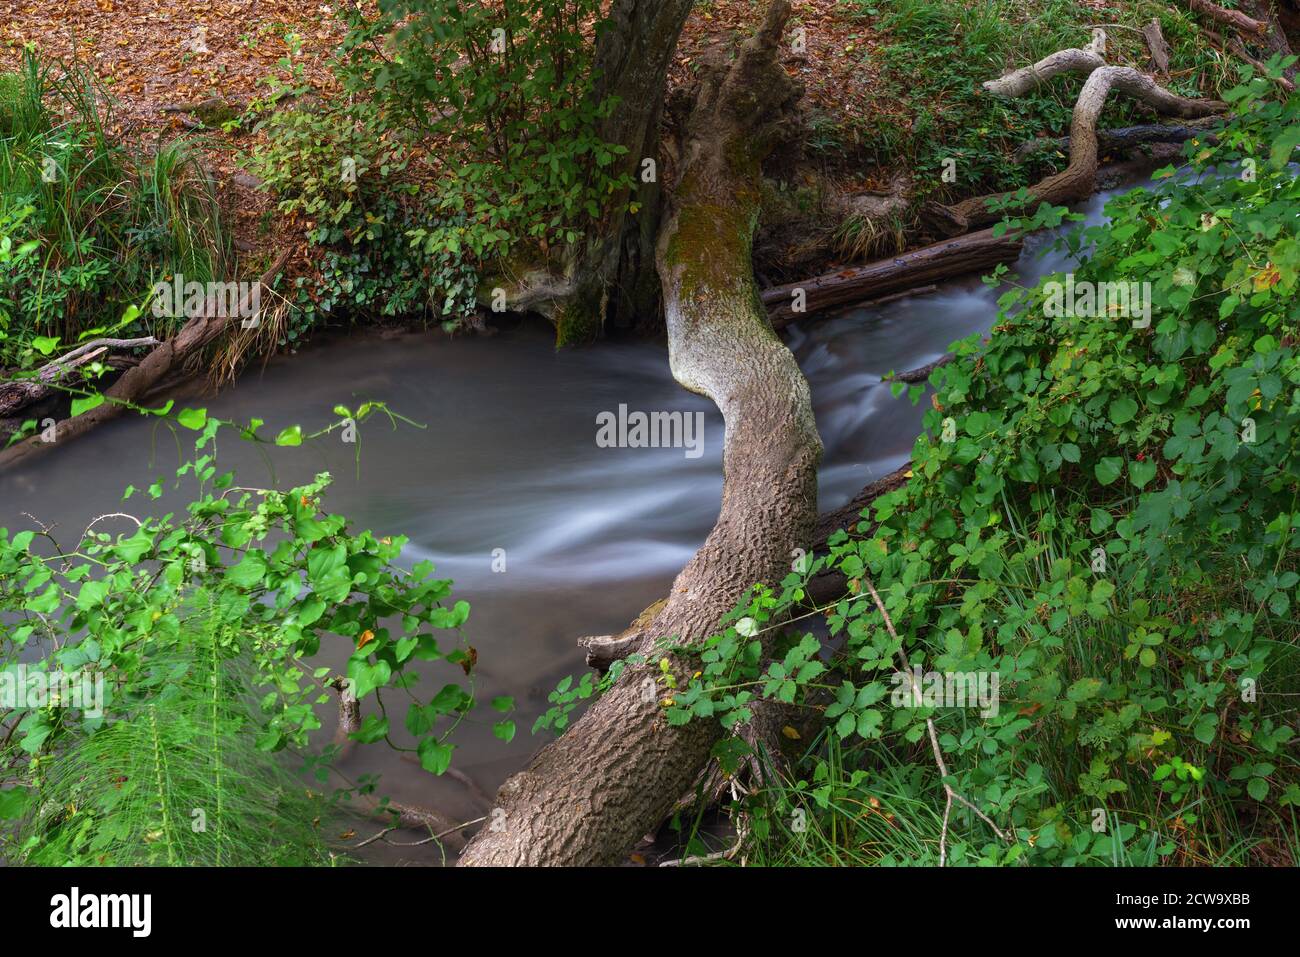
{"x": 952, "y": 795}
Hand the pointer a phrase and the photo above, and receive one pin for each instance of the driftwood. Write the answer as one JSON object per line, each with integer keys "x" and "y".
{"x": 920, "y": 267}
{"x": 135, "y": 382}
{"x": 1078, "y": 180}
{"x": 1124, "y": 139}
{"x": 1155, "y": 40}
{"x": 616, "y": 773}
{"x": 18, "y": 393}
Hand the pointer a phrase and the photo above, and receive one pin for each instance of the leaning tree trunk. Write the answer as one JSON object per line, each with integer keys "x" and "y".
{"x": 617, "y": 772}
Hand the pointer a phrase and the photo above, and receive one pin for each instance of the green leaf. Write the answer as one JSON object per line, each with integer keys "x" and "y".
{"x": 435, "y": 757}
{"x": 13, "y": 803}
{"x": 1206, "y": 728}
{"x": 1140, "y": 473}
{"x": 192, "y": 418}
{"x": 85, "y": 404}
{"x": 1284, "y": 146}
{"x": 249, "y": 572}
{"x": 367, "y": 676}
{"x": 1108, "y": 469}
{"x": 290, "y": 437}
{"x": 1123, "y": 410}
{"x": 373, "y": 728}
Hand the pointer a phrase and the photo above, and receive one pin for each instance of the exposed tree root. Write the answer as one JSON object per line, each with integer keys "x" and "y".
{"x": 1078, "y": 180}
{"x": 615, "y": 774}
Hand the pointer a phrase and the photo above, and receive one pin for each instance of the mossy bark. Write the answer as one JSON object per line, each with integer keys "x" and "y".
{"x": 616, "y": 774}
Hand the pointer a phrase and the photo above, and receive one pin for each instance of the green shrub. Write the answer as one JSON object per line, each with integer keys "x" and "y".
{"x": 1103, "y": 516}
{"x": 199, "y": 629}
{"x": 460, "y": 143}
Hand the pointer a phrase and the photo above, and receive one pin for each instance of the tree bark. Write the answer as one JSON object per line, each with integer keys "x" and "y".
{"x": 611, "y": 275}
{"x": 588, "y": 796}
{"x": 929, "y": 264}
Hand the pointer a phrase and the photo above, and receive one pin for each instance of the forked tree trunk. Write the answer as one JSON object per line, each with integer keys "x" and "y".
{"x": 612, "y": 272}
{"x": 618, "y": 771}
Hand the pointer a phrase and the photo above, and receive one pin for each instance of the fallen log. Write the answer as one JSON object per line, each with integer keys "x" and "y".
{"x": 617, "y": 772}
{"x": 925, "y": 266}
{"x": 1123, "y": 139}
{"x": 135, "y": 382}
{"x": 17, "y": 393}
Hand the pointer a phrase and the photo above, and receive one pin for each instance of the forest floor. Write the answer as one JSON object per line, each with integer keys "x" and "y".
{"x": 158, "y": 61}
{"x": 154, "y": 60}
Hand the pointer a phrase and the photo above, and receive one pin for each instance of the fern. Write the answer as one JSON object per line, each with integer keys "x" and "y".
{"x": 176, "y": 778}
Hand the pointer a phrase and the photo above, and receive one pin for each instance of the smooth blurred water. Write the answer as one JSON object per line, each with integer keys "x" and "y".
{"x": 509, "y": 461}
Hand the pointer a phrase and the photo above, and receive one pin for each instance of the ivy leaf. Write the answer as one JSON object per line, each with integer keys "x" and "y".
{"x": 435, "y": 757}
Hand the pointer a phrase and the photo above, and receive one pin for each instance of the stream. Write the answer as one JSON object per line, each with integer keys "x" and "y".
{"x": 509, "y": 460}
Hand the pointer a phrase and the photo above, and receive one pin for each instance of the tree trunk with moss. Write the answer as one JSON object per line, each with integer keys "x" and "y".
{"x": 610, "y": 277}
{"x": 617, "y": 772}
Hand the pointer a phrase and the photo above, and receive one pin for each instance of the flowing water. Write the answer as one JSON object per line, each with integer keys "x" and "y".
{"x": 509, "y": 460}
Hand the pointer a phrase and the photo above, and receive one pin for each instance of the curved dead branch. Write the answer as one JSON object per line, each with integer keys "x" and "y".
{"x": 1078, "y": 180}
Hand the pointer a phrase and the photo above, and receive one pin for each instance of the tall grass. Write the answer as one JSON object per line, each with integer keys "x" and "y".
{"x": 879, "y": 804}
{"x": 108, "y": 220}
